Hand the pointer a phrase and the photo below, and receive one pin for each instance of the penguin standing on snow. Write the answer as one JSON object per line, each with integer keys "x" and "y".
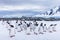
{"x": 35, "y": 27}
{"x": 41, "y": 28}
{"x": 54, "y": 27}
{"x": 44, "y": 28}
{"x": 11, "y": 30}
{"x": 31, "y": 27}
{"x": 7, "y": 25}
{"x": 50, "y": 28}
{"x": 16, "y": 24}
{"x": 24, "y": 25}
{"x": 28, "y": 28}
{"x": 19, "y": 26}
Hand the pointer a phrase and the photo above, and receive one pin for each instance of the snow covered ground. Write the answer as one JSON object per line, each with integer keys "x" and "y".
{"x": 4, "y": 34}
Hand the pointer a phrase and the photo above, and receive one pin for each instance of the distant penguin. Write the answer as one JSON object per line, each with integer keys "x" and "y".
{"x": 12, "y": 31}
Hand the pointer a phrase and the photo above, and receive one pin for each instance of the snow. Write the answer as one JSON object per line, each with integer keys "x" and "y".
{"x": 56, "y": 14}
{"x": 4, "y": 33}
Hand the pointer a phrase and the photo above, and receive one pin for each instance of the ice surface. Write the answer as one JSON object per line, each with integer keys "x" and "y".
{"x": 4, "y": 33}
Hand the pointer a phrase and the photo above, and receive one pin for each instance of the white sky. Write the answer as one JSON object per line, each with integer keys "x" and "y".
{"x": 28, "y": 4}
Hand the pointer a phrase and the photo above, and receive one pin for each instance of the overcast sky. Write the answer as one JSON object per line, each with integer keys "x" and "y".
{"x": 36, "y": 5}
{"x": 28, "y": 4}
